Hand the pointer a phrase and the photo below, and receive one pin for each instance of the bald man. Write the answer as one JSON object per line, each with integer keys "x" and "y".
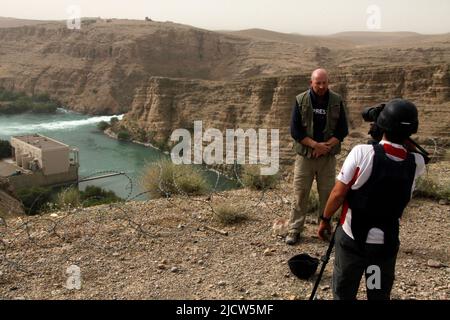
{"x": 318, "y": 126}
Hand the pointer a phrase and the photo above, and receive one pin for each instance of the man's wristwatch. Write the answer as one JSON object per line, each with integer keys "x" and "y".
{"x": 322, "y": 217}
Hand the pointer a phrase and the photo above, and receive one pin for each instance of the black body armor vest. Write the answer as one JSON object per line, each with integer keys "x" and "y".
{"x": 380, "y": 202}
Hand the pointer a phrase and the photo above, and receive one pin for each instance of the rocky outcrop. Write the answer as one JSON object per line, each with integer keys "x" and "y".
{"x": 425, "y": 85}
{"x": 164, "y": 104}
{"x": 167, "y": 104}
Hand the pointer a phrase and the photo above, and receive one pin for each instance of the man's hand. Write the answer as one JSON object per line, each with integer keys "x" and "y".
{"x": 324, "y": 231}
{"x": 320, "y": 149}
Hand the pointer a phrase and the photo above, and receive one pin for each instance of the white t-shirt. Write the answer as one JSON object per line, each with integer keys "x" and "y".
{"x": 357, "y": 169}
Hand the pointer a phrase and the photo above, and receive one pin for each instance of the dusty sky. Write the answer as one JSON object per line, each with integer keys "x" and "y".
{"x": 297, "y": 16}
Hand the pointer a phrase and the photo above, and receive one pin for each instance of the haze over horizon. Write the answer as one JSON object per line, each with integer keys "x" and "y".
{"x": 287, "y": 16}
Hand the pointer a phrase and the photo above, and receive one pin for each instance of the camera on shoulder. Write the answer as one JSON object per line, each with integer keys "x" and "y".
{"x": 393, "y": 124}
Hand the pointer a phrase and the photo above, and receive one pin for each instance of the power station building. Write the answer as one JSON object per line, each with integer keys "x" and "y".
{"x": 40, "y": 161}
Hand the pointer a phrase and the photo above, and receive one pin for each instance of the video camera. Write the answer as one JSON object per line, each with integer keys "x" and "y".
{"x": 370, "y": 114}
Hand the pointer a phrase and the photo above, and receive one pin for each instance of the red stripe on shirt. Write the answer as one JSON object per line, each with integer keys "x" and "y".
{"x": 344, "y": 212}
{"x": 396, "y": 152}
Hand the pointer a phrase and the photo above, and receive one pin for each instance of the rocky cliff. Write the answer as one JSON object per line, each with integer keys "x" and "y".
{"x": 96, "y": 69}
{"x": 168, "y": 75}
{"x": 164, "y": 104}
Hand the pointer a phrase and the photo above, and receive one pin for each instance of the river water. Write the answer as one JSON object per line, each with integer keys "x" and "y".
{"x": 98, "y": 153}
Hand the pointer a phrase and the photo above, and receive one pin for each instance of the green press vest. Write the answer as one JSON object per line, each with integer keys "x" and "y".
{"x": 306, "y": 111}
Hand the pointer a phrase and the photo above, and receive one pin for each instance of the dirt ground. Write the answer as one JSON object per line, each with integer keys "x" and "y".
{"x": 176, "y": 249}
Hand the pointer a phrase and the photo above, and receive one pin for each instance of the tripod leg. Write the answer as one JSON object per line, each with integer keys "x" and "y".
{"x": 324, "y": 263}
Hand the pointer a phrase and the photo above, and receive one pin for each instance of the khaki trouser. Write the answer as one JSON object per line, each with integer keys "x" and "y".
{"x": 323, "y": 169}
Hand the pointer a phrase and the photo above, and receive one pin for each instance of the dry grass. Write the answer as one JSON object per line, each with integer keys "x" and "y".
{"x": 252, "y": 178}
{"x": 165, "y": 179}
{"x": 68, "y": 198}
{"x": 313, "y": 202}
{"x": 429, "y": 187}
{"x": 228, "y": 214}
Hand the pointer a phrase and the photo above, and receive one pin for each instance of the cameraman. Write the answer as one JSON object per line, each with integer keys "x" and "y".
{"x": 374, "y": 185}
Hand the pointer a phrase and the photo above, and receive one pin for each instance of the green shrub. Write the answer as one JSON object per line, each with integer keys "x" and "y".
{"x": 93, "y": 196}
{"x": 113, "y": 120}
{"x": 150, "y": 136}
{"x": 41, "y": 97}
{"x": 229, "y": 214}
{"x": 5, "y": 108}
{"x": 5, "y": 149}
{"x": 162, "y": 144}
{"x": 47, "y": 107}
{"x": 103, "y": 125}
{"x": 13, "y": 108}
{"x": 124, "y": 135}
{"x": 20, "y": 103}
{"x": 142, "y": 135}
{"x": 165, "y": 178}
{"x": 24, "y": 102}
{"x": 6, "y": 95}
{"x": 68, "y": 198}
{"x": 35, "y": 199}
{"x": 252, "y": 178}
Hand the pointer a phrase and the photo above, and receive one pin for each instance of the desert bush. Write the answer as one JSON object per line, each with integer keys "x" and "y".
{"x": 150, "y": 136}
{"x": 162, "y": 144}
{"x": 429, "y": 187}
{"x": 123, "y": 135}
{"x": 141, "y": 135}
{"x": 41, "y": 97}
{"x": 19, "y": 102}
{"x": 312, "y": 208}
{"x": 103, "y": 125}
{"x": 21, "y": 105}
{"x": 252, "y": 178}
{"x": 164, "y": 178}
{"x": 113, "y": 120}
{"x": 6, "y": 95}
{"x": 227, "y": 214}
{"x": 68, "y": 198}
{"x": 94, "y": 196}
{"x": 35, "y": 199}
{"x": 313, "y": 203}
{"x": 44, "y": 107}
{"x": 7, "y": 108}
{"x": 39, "y": 200}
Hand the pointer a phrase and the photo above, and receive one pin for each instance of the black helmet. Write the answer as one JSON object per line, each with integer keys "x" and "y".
{"x": 303, "y": 265}
{"x": 399, "y": 117}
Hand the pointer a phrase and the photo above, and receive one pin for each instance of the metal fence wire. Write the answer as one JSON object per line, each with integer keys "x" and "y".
{"x": 73, "y": 232}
